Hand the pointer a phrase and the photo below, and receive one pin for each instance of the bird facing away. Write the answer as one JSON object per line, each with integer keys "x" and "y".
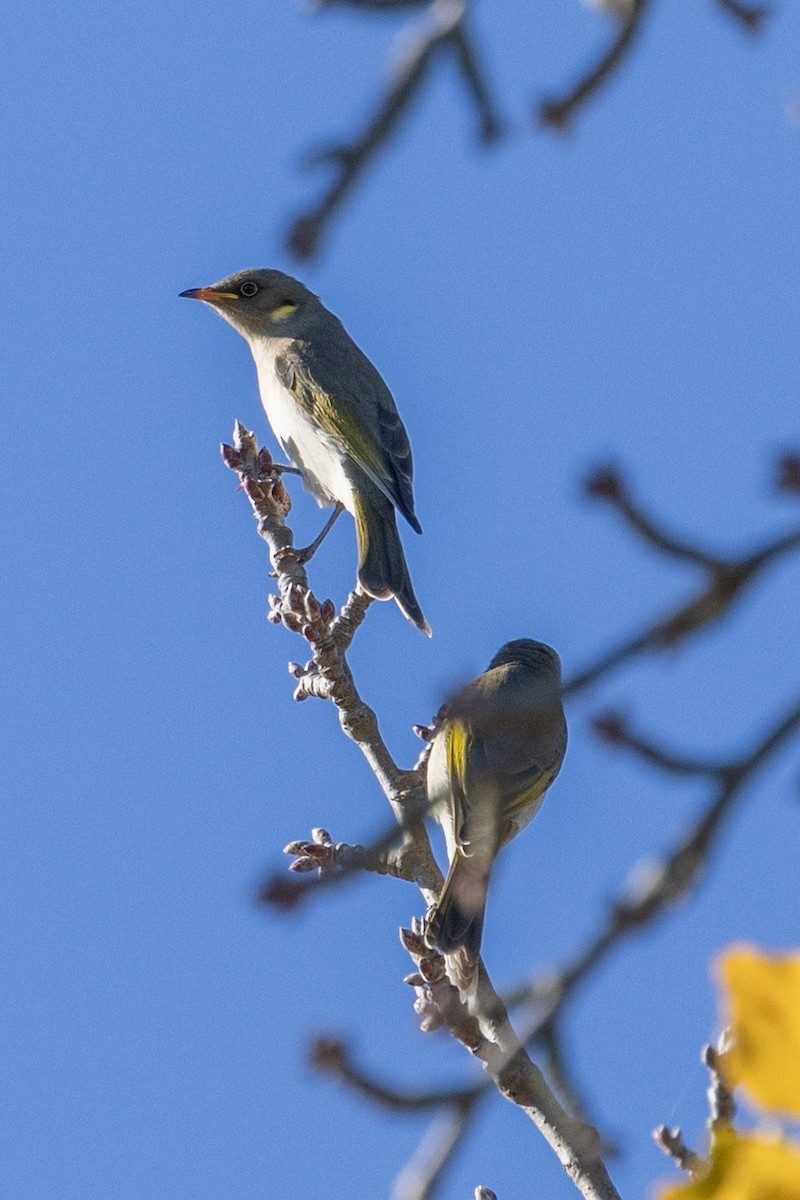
{"x": 333, "y": 415}
{"x": 499, "y": 747}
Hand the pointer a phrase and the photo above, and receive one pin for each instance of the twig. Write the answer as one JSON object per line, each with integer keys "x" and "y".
{"x": 722, "y": 1110}
{"x": 721, "y": 1104}
{"x": 442, "y": 28}
{"x": 336, "y": 862}
{"x": 333, "y": 1057}
{"x": 672, "y": 1143}
{"x": 420, "y": 1177}
{"x": 726, "y": 579}
{"x": 549, "y": 1037}
{"x": 659, "y": 887}
{"x": 490, "y": 124}
{"x": 613, "y": 728}
{"x": 750, "y": 16}
{"x": 558, "y": 113}
{"x": 787, "y": 477}
{"x": 670, "y": 879}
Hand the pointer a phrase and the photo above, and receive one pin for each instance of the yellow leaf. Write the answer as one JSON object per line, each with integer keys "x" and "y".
{"x": 762, "y": 996}
{"x": 745, "y": 1168}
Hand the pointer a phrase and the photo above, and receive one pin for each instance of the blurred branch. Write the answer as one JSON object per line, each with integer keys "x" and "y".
{"x": 333, "y": 1057}
{"x": 558, "y": 113}
{"x": 662, "y": 884}
{"x": 420, "y": 1177}
{"x": 788, "y": 474}
{"x": 721, "y": 1104}
{"x": 751, "y": 16}
{"x": 672, "y": 1143}
{"x": 443, "y": 28}
{"x": 667, "y": 881}
{"x": 726, "y": 579}
{"x": 550, "y": 1039}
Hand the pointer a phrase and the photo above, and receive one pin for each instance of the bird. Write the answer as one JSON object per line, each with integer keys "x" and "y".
{"x": 334, "y": 416}
{"x": 498, "y": 745}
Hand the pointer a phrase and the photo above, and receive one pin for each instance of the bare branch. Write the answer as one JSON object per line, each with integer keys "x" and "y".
{"x": 672, "y": 1143}
{"x": 488, "y": 1034}
{"x": 606, "y": 483}
{"x": 721, "y": 1104}
{"x": 490, "y": 124}
{"x": 298, "y": 609}
{"x": 558, "y": 1069}
{"x": 333, "y": 1057}
{"x": 420, "y": 1177}
{"x": 788, "y": 474}
{"x": 558, "y": 113}
{"x": 351, "y": 160}
{"x": 442, "y": 28}
{"x": 336, "y": 862}
{"x": 750, "y": 16}
{"x": 726, "y": 579}
{"x": 667, "y": 881}
{"x": 613, "y": 728}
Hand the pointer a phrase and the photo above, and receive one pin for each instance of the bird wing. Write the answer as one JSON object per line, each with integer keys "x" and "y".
{"x": 494, "y": 781}
{"x": 344, "y": 396}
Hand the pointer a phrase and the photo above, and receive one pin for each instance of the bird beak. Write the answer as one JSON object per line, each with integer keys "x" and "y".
{"x": 209, "y": 294}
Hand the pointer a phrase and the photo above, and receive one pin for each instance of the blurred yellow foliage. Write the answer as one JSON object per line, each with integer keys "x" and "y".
{"x": 762, "y": 997}
{"x": 753, "y": 1167}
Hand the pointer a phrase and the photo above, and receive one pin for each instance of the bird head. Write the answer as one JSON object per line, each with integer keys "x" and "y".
{"x": 260, "y": 303}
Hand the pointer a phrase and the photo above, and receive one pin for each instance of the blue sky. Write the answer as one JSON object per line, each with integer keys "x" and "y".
{"x": 626, "y": 293}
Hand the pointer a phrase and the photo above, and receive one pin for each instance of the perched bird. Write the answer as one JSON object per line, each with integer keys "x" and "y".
{"x": 333, "y": 415}
{"x": 498, "y": 748}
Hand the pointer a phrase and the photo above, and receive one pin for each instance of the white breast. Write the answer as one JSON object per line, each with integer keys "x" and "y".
{"x": 306, "y": 446}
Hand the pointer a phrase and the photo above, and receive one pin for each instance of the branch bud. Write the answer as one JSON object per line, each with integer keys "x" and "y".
{"x": 231, "y": 457}
{"x": 604, "y": 484}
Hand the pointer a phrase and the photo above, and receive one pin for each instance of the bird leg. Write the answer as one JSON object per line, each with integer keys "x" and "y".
{"x": 310, "y": 550}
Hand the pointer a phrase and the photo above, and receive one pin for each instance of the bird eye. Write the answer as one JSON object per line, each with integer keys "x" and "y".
{"x": 248, "y": 288}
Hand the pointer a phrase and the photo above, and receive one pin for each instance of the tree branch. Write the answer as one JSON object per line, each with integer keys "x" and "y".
{"x": 726, "y": 579}
{"x": 486, "y": 1031}
{"x": 420, "y": 1177}
{"x": 297, "y": 608}
{"x": 750, "y": 16}
{"x": 441, "y": 28}
{"x": 558, "y": 113}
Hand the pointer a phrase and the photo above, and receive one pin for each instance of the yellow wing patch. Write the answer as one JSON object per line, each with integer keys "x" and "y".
{"x": 530, "y": 795}
{"x": 458, "y": 740}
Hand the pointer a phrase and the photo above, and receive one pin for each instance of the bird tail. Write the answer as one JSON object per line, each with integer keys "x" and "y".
{"x": 382, "y": 568}
{"x": 455, "y": 924}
